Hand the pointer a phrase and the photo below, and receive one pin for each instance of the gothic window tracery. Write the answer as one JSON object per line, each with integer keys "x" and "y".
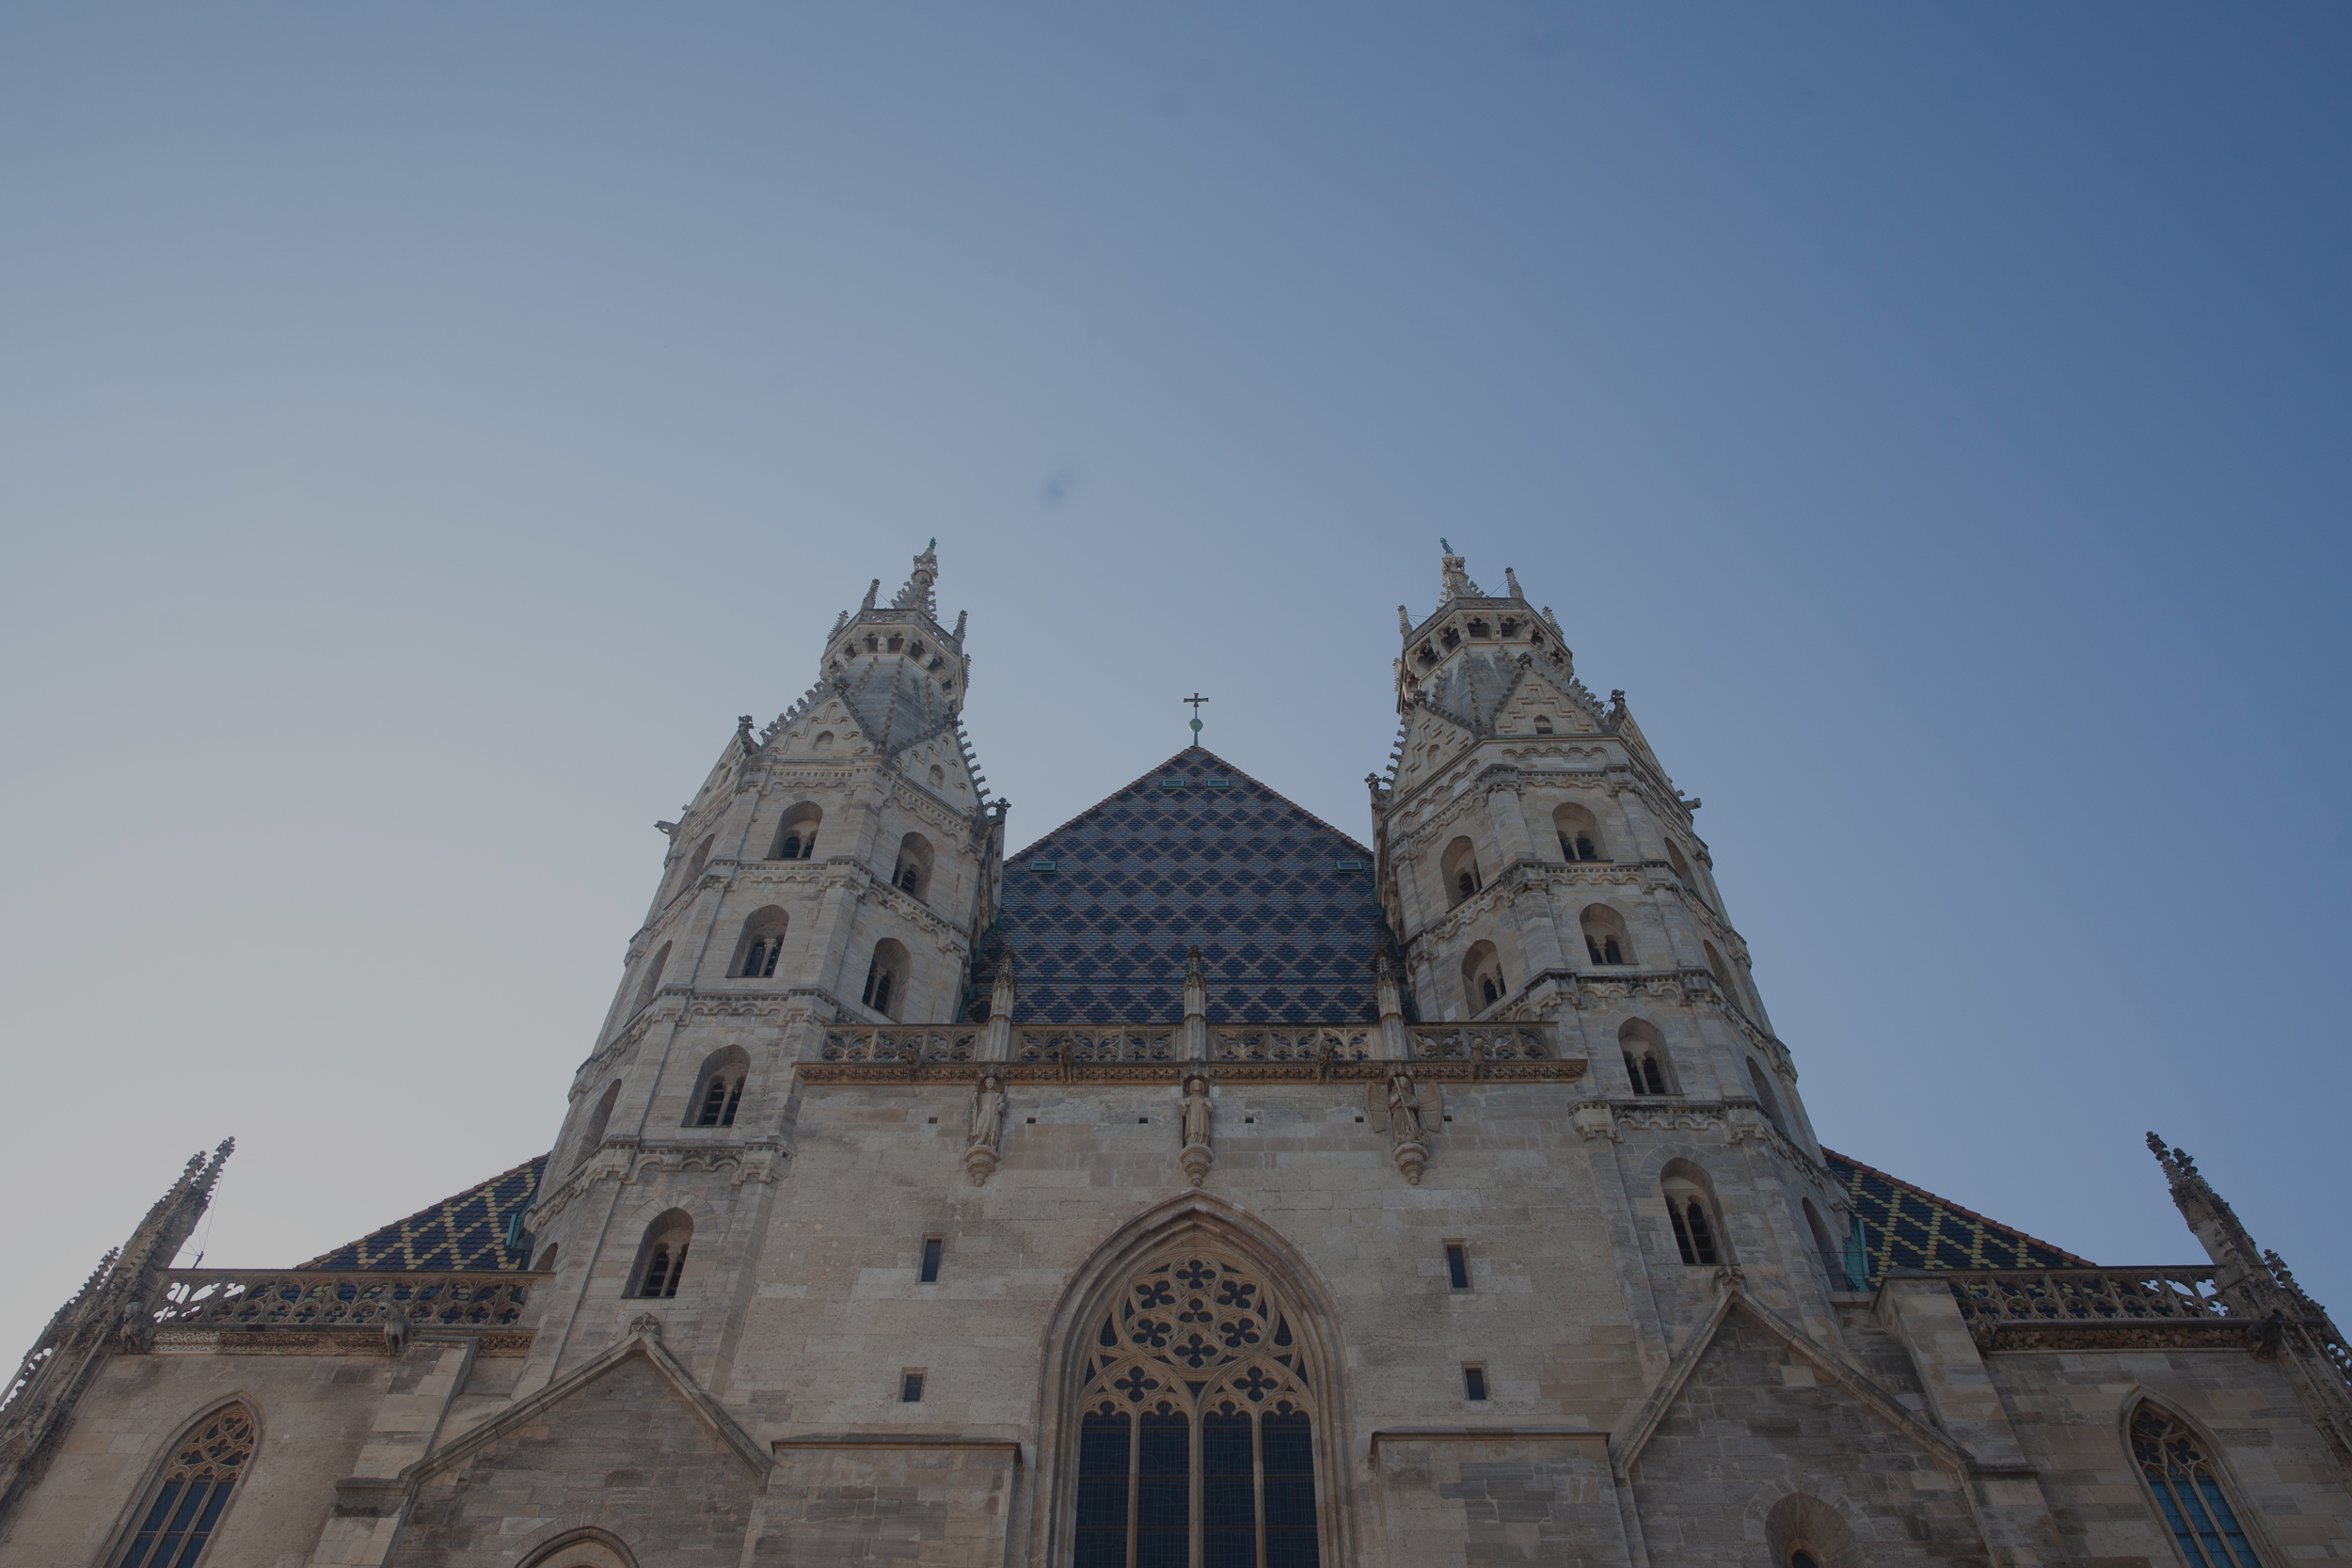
{"x": 192, "y": 1490}
{"x": 885, "y": 977}
{"x": 761, "y": 944}
{"x": 1195, "y": 1432}
{"x": 662, "y": 1256}
{"x": 796, "y": 836}
{"x": 1579, "y": 831}
{"x": 1605, "y": 936}
{"x": 2189, "y": 1493}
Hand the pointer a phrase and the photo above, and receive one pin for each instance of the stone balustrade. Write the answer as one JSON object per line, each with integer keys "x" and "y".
{"x": 342, "y": 1298}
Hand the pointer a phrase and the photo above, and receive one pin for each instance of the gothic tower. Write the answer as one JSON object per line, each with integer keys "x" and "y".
{"x": 837, "y": 867}
{"x": 1538, "y": 862}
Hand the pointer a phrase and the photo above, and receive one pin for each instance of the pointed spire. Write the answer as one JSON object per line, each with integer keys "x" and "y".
{"x": 958, "y": 634}
{"x": 1513, "y": 579}
{"x": 1454, "y": 581}
{"x": 916, "y": 595}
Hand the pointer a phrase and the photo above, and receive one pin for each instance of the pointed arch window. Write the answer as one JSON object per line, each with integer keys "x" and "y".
{"x": 189, "y": 1496}
{"x": 1195, "y": 1436}
{"x": 2188, "y": 1492}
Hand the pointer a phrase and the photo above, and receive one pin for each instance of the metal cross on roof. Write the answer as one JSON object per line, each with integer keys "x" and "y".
{"x": 1195, "y": 700}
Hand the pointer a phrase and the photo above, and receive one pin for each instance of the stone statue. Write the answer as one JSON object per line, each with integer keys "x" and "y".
{"x": 1198, "y": 1156}
{"x": 984, "y": 1146}
{"x": 1408, "y": 1114}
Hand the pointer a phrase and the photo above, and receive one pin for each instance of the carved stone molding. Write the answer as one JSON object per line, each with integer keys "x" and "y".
{"x": 911, "y": 1075}
{"x": 756, "y": 1159}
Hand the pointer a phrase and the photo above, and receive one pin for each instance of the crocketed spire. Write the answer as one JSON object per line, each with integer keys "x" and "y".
{"x": 916, "y": 595}
{"x": 1454, "y": 578}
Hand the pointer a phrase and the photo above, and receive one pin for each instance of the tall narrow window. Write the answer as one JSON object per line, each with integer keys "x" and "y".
{"x": 720, "y": 1102}
{"x": 1457, "y": 1265}
{"x": 1474, "y": 1383}
{"x": 192, "y": 1490}
{"x": 1694, "y": 1236}
{"x": 2189, "y": 1493}
{"x": 1196, "y": 1373}
{"x": 911, "y": 1389}
{"x": 931, "y": 1248}
{"x": 662, "y": 1257}
{"x": 1643, "y": 1070}
{"x": 886, "y": 976}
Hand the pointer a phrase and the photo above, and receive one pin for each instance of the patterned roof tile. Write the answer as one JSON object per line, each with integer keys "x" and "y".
{"x": 466, "y": 1231}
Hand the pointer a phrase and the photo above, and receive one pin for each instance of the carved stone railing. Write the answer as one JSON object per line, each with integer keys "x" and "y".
{"x": 1478, "y": 1042}
{"x": 358, "y": 1298}
{"x": 932, "y": 1043}
{"x": 2009, "y": 1303}
{"x": 1275, "y": 1043}
{"x": 1108, "y": 1042}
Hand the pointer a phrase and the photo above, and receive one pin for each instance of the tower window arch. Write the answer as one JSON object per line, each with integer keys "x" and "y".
{"x": 592, "y": 1135}
{"x": 760, "y": 944}
{"x": 661, "y": 1256}
{"x": 795, "y": 835}
{"x": 1691, "y": 1215}
{"x": 186, "y": 1501}
{"x": 1646, "y": 1061}
{"x": 1482, "y": 984}
{"x": 1543, "y": 723}
{"x": 1833, "y": 1257}
{"x": 1762, "y": 1083}
{"x": 1458, "y": 865}
{"x": 718, "y": 1089}
{"x": 652, "y": 982}
{"x": 1606, "y": 940}
{"x": 913, "y": 872}
{"x": 701, "y": 856}
{"x": 1579, "y": 831}
{"x": 887, "y": 979}
{"x": 2188, "y": 1492}
{"x": 1195, "y": 1432}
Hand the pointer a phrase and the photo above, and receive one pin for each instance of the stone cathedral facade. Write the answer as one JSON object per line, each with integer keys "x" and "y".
{"x": 1201, "y": 1186}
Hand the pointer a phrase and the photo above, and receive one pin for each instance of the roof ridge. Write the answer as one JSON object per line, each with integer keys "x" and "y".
{"x": 1956, "y": 1208}
{"x": 1150, "y": 772}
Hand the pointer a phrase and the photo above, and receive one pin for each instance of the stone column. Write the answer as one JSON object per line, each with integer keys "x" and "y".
{"x": 997, "y": 1046}
{"x": 1394, "y": 1047}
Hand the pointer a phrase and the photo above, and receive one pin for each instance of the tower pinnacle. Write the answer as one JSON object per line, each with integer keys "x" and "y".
{"x": 916, "y": 595}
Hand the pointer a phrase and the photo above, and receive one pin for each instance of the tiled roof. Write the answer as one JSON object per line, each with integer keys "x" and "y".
{"x": 1909, "y": 1227}
{"x": 466, "y": 1231}
{"x": 1246, "y": 875}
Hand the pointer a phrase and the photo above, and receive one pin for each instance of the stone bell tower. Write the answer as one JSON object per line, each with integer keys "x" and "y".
{"x": 835, "y": 867}
{"x": 1536, "y": 861}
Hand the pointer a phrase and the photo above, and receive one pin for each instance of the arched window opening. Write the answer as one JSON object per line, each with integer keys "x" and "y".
{"x": 1478, "y": 629}
{"x": 1646, "y": 1058}
{"x": 1691, "y": 1215}
{"x": 661, "y": 1258}
{"x": 1543, "y": 725}
{"x": 193, "y": 1490}
{"x": 1722, "y": 972}
{"x": 702, "y": 857}
{"x": 652, "y": 982}
{"x": 1806, "y": 1532}
{"x": 1605, "y": 936}
{"x": 718, "y": 1089}
{"x": 795, "y": 835}
{"x": 2188, "y": 1492}
{"x": 1482, "y": 978}
{"x": 1450, "y": 636}
{"x": 1764, "y": 1096}
{"x": 592, "y": 1136}
{"x": 1580, "y": 832}
{"x": 1802, "y": 1559}
{"x": 1833, "y": 1257}
{"x": 1427, "y": 655}
{"x": 896, "y": 642}
{"x": 1196, "y": 1373}
{"x": 1458, "y": 865}
{"x": 547, "y": 1260}
{"x": 887, "y": 979}
{"x": 912, "y": 873}
{"x": 760, "y": 944}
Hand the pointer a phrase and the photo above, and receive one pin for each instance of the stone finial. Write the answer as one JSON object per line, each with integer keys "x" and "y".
{"x": 1454, "y": 581}
{"x": 957, "y": 635}
{"x": 916, "y": 595}
{"x": 743, "y": 733}
{"x": 1512, "y": 578}
{"x": 872, "y": 589}
{"x": 1197, "y": 1155}
{"x": 1404, "y": 622}
{"x": 1002, "y": 994}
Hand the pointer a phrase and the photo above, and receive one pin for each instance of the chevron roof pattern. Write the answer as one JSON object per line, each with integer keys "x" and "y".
{"x": 1176, "y": 860}
{"x": 1909, "y": 1228}
{"x": 467, "y": 1231}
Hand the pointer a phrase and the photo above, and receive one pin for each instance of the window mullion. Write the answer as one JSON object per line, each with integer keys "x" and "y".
{"x": 1134, "y": 1482}
{"x": 1196, "y": 1538}
{"x": 1256, "y": 1472}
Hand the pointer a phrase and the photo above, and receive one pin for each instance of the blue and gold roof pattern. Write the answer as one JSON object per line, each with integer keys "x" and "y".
{"x": 468, "y": 1231}
{"x": 1908, "y": 1228}
{"x": 1194, "y": 853}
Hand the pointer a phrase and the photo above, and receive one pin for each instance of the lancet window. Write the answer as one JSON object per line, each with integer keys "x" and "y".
{"x": 1195, "y": 1432}
{"x": 2189, "y": 1493}
{"x": 192, "y": 1490}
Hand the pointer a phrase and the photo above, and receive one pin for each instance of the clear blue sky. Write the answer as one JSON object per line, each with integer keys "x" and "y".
{"x": 423, "y": 428}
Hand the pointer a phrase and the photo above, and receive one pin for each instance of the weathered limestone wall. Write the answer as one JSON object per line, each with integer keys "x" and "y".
{"x": 2069, "y": 1409}
{"x": 313, "y": 1414}
{"x": 928, "y": 1503}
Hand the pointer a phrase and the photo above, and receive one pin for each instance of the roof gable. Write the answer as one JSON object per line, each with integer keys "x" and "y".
{"x": 1249, "y": 876}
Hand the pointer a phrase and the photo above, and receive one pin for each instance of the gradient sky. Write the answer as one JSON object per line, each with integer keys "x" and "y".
{"x": 424, "y": 429}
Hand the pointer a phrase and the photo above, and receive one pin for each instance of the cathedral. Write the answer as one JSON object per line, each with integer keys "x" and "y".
{"x": 1203, "y": 1185}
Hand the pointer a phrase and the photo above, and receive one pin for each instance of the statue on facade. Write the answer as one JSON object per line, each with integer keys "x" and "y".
{"x": 983, "y": 1144}
{"x": 1198, "y": 1156}
{"x": 1409, "y": 1114}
